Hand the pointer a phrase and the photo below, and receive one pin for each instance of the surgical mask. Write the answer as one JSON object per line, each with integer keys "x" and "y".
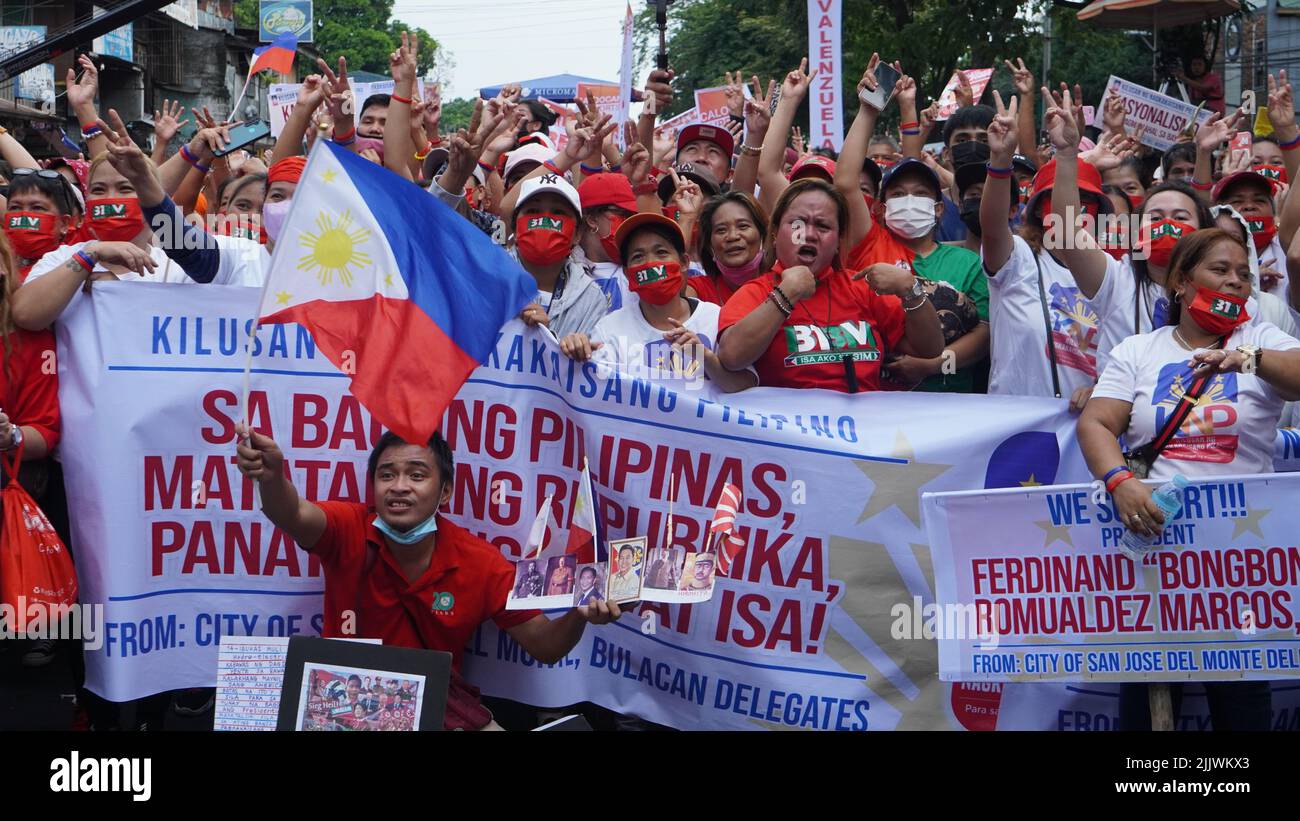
{"x": 116, "y": 219}
{"x": 738, "y": 276}
{"x": 911, "y": 217}
{"x": 31, "y": 233}
{"x": 970, "y": 214}
{"x": 273, "y": 216}
{"x": 411, "y": 536}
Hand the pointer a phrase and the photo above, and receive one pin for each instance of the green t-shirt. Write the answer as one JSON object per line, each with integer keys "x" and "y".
{"x": 960, "y": 268}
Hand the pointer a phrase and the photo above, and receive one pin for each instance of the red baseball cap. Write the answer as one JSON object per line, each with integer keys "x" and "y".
{"x": 720, "y": 137}
{"x": 814, "y": 165}
{"x": 636, "y": 222}
{"x": 607, "y": 189}
{"x": 1089, "y": 181}
{"x": 1249, "y": 177}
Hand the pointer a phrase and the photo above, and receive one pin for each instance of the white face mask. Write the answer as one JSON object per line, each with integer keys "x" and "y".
{"x": 910, "y": 217}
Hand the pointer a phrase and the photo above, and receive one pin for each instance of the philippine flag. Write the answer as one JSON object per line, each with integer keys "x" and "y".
{"x": 277, "y": 55}
{"x": 582, "y": 532}
{"x": 398, "y": 291}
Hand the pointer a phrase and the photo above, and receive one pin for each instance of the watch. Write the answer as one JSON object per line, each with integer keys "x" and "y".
{"x": 1252, "y": 352}
{"x": 917, "y": 289}
{"x": 15, "y": 440}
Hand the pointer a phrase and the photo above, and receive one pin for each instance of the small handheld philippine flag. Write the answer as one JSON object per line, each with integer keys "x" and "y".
{"x": 276, "y": 55}
{"x": 399, "y": 292}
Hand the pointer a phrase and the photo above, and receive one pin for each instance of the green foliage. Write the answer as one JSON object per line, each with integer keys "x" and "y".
{"x": 456, "y": 114}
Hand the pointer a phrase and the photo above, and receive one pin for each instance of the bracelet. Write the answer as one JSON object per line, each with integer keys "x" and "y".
{"x": 1287, "y": 146}
{"x": 749, "y": 150}
{"x": 615, "y": 168}
{"x": 771, "y": 297}
{"x": 83, "y": 259}
{"x": 789, "y": 302}
{"x": 587, "y": 169}
{"x": 997, "y": 173}
{"x": 423, "y": 154}
{"x": 487, "y": 169}
{"x": 1113, "y": 471}
{"x": 437, "y": 142}
{"x": 188, "y": 156}
{"x": 905, "y": 126}
{"x": 918, "y": 305}
{"x": 1118, "y": 480}
{"x": 398, "y": 99}
{"x": 553, "y": 168}
{"x": 349, "y": 137}
{"x": 915, "y": 132}
{"x": 1202, "y": 186}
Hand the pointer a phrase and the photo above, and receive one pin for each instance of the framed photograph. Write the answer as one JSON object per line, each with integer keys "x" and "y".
{"x": 591, "y": 584}
{"x": 545, "y": 583}
{"x": 698, "y": 574}
{"x": 626, "y": 569}
{"x": 664, "y": 568}
{"x": 331, "y": 685}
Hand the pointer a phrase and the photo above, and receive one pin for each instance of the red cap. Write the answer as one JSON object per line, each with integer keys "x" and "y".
{"x": 720, "y": 137}
{"x": 1089, "y": 181}
{"x": 814, "y": 165}
{"x": 636, "y": 222}
{"x": 1247, "y": 176}
{"x": 607, "y": 189}
{"x": 288, "y": 169}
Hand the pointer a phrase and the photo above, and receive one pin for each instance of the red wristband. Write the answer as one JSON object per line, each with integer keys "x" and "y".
{"x": 553, "y": 168}
{"x": 1118, "y": 479}
{"x": 1202, "y": 186}
{"x": 352, "y": 132}
{"x": 905, "y": 126}
{"x": 1288, "y": 146}
{"x": 396, "y": 98}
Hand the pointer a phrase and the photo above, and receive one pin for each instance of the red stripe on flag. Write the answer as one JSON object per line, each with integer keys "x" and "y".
{"x": 275, "y": 58}
{"x": 404, "y": 368}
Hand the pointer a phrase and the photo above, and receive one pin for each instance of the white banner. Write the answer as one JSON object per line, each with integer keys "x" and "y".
{"x": 1157, "y": 119}
{"x": 281, "y": 98}
{"x": 168, "y": 536}
{"x": 625, "y": 78}
{"x": 1032, "y": 585}
{"x": 826, "y": 117}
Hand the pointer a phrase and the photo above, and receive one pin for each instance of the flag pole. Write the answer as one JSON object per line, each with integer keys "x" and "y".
{"x": 234, "y": 107}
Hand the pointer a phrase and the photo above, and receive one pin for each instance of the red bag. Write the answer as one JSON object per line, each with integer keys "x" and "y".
{"x": 35, "y": 567}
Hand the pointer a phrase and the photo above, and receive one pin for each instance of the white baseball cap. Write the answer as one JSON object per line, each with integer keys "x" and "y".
{"x": 533, "y": 186}
{"x": 531, "y": 152}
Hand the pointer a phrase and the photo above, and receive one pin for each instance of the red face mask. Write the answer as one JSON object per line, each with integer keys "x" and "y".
{"x": 1113, "y": 243}
{"x": 1262, "y": 231}
{"x": 544, "y": 239}
{"x": 32, "y": 234}
{"x": 655, "y": 282}
{"x": 607, "y": 241}
{"x": 1277, "y": 173}
{"x": 1090, "y": 206}
{"x": 115, "y": 219}
{"x": 241, "y": 225}
{"x": 1160, "y": 239}
{"x": 1136, "y": 199}
{"x": 1216, "y": 312}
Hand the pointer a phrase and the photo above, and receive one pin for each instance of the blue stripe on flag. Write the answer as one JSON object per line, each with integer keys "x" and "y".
{"x": 466, "y": 283}
{"x": 288, "y": 40}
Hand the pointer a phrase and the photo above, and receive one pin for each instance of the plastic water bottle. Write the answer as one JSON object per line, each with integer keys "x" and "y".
{"x": 1169, "y": 498}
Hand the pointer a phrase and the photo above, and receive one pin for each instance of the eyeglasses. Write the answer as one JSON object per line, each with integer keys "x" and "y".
{"x": 47, "y": 174}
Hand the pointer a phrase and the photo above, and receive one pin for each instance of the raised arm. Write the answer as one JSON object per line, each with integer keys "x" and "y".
{"x": 1209, "y": 136}
{"x": 166, "y": 122}
{"x": 1026, "y": 127}
{"x": 81, "y": 101}
{"x": 398, "y": 148}
{"x": 995, "y": 231}
{"x": 853, "y": 154}
{"x": 1281, "y": 114}
{"x": 771, "y": 181}
{"x": 260, "y": 459}
{"x": 1087, "y": 262}
{"x": 758, "y": 119}
{"x": 310, "y": 96}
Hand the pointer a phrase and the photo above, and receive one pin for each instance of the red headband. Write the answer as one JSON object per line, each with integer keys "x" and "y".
{"x": 288, "y": 169}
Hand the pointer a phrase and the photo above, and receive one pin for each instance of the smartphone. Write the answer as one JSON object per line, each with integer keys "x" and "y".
{"x": 246, "y": 134}
{"x": 886, "y": 77}
{"x": 1241, "y": 141}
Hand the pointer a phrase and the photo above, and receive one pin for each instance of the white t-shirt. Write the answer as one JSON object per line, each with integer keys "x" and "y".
{"x": 1232, "y": 427}
{"x": 1274, "y": 256}
{"x": 243, "y": 262}
{"x": 1020, "y": 361}
{"x": 639, "y": 349}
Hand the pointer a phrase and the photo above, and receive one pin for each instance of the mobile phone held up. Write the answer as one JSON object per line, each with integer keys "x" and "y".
{"x": 886, "y": 77}
{"x": 246, "y": 134}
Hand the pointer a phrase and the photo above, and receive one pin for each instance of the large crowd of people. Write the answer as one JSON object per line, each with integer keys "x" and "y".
{"x": 995, "y": 265}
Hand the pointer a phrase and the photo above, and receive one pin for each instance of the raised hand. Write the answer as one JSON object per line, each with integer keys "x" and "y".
{"x": 402, "y": 62}
{"x": 758, "y": 111}
{"x": 584, "y": 140}
{"x": 665, "y": 144}
{"x": 1216, "y": 130}
{"x": 659, "y": 83}
{"x": 338, "y": 90}
{"x": 796, "y": 140}
{"x": 1113, "y": 114}
{"x": 1059, "y": 120}
{"x": 905, "y": 91}
{"x": 735, "y": 86}
{"x": 167, "y": 121}
{"x": 868, "y": 82}
{"x": 123, "y": 153}
{"x": 1110, "y": 152}
{"x": 204, "y": 119}
{"x": 82, "y": 91}
{"x": 312, "y": 92}
{"x": 688, "y": 197}
{"x": 1281, "y": 103}
{"x": 928, "y": 117}
{"x": 1021, "y": 77}
{"x": 795, "y": 86}
{"x": 431, "y": 112}
{"x": 964, "y": 94}
{"x": 1002, "y": 131}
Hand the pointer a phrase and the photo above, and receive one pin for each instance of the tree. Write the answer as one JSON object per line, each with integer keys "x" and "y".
{"x": 456, "y": 114}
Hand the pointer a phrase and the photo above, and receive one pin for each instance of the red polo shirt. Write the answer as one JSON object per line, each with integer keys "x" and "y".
{"x": 466, "y": 584}
{"x": 880, "y": 245}
{"x": 843, "y": 317}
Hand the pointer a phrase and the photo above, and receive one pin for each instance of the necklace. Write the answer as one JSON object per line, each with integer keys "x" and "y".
{"x": 1182, "y": 341}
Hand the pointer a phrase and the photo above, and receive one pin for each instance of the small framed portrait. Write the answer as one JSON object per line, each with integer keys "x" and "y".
{"x": 626, "y": 569}
{"x": 590, "y": 587}
{"x": 697, "y": 573}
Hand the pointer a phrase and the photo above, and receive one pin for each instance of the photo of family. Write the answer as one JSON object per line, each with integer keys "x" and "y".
{"x": 338, "y": 698}
{"x": 627, "y": 560}
{"x": 591, "y": 584}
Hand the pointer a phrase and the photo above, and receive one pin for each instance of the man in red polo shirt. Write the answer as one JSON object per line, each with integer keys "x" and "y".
{"x": 402, "y": 572}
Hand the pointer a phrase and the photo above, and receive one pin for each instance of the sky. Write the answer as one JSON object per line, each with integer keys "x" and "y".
{"x": 500, "y": 41}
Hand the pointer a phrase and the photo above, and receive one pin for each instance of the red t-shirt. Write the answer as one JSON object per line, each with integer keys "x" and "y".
{"x": 844, "y": 316}
{"x": 29, "y": 394}
{"x": 713, "y": 289}
{"x": 880, "y": 245}
{"x": 466, "y": 584}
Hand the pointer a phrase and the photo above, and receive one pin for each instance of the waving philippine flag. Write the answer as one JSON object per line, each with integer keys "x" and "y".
{"x": 276, "y": 55}
{"x": 398, "y": 291}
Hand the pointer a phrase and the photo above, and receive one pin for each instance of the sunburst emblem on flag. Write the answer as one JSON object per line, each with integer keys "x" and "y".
{"x": 332, "y": 248}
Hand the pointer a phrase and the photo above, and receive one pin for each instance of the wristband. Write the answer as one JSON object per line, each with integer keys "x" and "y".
{"x": 1113, "y": 471}
{"x": 915, "y": 132}
{"x": 423, "y": 154}
{"x": 615, "y": 168}
{"x": 436, "y": 143}
{"x": 771, "y": 297}
{"x": 1202, "y": 186}
{"x": 348, "y": 138}
{"x": 1287, "y": 146}
{"x": 997, "y": 173}
{"x": 553, "y": 168}
{"x": 83, "y": 259}
{"x": 788, "y": 301}
{"x": 906, "y": 126}
{"x": 1118, "y": 480}
{"x": 398, "y": 99}
{"x": 916, "y": 307}
{"x": 749, "y": 150}
{"x": 587, "y": 169}
{"x": 188, "y": 156}
{"x": 89, "y": 131}
{"x": 487, "y": 169}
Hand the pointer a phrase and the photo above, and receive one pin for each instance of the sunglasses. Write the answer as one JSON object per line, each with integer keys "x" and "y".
{"x": 47, "y": 174}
